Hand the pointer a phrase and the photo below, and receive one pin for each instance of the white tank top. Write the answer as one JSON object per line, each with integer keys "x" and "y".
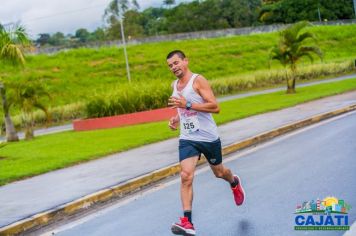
{"x": 194, "y": 125}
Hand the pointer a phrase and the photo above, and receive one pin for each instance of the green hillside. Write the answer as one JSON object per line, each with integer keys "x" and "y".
{"x": 76, "y": 75}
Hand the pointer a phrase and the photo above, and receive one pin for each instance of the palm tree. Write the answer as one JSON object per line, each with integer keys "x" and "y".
{"x": 117, "y": 8}
{"x": 291, "y": 48}
{"x": 12, "y": 43}
{"x": 29, "y": 96}
{"x": 115, "y": 13}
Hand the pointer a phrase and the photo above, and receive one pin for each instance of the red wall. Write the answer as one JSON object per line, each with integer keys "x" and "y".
{"x": 126, "y": 119}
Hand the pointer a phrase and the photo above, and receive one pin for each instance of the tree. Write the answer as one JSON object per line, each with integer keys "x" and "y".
{"x": 290, "y": 11}
{"x": 116, "y": 11}
{"x": 240, "y": 13}
{"x": 83, "y": 35}
{"x": 211, "y": 14}
{"x": 195, "y": 16}
{"x": 132, "y": 23}
{"x": 12, "y": 43}
{"x": 57, "y": 39}
{"x": 43, "y": 39}
{"x": 29, "y": 96}
{"x": 291, "y": 48}
{"x": 97, "y": 35}
{"x": 153, "y": 21}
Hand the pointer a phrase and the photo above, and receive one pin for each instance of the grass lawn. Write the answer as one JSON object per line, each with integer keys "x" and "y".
{"x": 76, "y": 75}
{"x": 50, "y": 152}
{"x": 88, "y": 82}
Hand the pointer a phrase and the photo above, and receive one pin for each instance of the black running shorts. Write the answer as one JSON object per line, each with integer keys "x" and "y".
{"x": 211, "y": 150}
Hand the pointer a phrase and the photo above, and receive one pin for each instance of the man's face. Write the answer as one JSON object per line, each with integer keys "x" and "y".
{"x": 178, "y": 66}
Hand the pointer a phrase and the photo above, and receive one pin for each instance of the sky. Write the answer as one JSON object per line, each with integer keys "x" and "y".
{"x": 51, "y": 16}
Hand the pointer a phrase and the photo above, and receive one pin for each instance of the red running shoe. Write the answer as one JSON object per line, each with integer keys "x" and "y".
{"x": 238, "y": 191}
{"x": 183, "y": 228}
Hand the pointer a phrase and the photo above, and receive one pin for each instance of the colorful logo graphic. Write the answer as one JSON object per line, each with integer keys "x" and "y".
{"x": 327, "y": 214}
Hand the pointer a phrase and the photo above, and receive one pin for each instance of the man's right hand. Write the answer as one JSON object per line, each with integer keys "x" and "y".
{"x": 173, "y": 123}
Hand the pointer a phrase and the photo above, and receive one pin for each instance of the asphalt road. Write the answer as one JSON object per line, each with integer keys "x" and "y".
{"x": 315, "y": 162}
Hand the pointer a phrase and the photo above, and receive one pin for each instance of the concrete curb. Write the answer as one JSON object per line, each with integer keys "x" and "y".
{"x": 60, "y": 212}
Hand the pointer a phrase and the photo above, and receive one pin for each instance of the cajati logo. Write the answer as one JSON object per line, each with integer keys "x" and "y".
{"x": 327, "y": 214}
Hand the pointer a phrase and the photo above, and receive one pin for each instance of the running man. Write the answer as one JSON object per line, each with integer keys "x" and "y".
{"x": 195, "y": 101}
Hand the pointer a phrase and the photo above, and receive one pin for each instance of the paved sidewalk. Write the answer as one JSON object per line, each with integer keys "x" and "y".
{"x": 25, "y": 198}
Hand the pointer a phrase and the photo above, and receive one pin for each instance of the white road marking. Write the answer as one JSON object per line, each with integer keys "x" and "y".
{"x": 352, "y": 231}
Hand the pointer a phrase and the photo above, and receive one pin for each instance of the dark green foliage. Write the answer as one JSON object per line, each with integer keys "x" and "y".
{"x": 96, "y": 107}
{"x": 57, "y": 39}
{"x": 290, "y": 11}
{"x": 82, "y": 35}
{"x": 201, "y": 15}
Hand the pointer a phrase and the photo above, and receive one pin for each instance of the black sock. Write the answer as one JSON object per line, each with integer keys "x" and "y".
{"x": 235, "y": 183}
{"x": 188, "y": 214}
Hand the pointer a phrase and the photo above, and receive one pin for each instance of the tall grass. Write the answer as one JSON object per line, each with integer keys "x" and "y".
{"x": 140, "y": 97}
{"x": 129, "y": 98}
{"x": 126, "y": 98}
{"x": 267, "y": 78}
{"x": 60, "y": 114}
{"x": 73, "y": 76}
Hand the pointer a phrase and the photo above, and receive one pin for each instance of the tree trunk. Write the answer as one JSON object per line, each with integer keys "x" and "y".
{"x": 11, "y": 134}
{"x": 29, "y": 133}
{"x": 291, "y": 80}
{"x": 291, "y": 85}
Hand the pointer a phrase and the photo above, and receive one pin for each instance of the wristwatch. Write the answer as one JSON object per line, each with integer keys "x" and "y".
{"x": 188, "y": 105}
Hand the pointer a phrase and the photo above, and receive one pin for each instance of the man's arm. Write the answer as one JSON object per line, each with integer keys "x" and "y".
{"x": 202, "y": 87}
{"x": 174, "y": 122}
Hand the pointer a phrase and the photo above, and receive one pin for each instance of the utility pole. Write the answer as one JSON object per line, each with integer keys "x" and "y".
{"x": 355, "y": 8}
{"x": 319, "y": 13}
{"x": 121, "y": 16}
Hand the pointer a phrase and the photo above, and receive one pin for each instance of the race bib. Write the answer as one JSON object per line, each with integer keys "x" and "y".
{"x": 189, "y": 123}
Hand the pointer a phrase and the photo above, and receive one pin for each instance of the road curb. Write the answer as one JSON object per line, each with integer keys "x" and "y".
{"x": 122, "y": 189}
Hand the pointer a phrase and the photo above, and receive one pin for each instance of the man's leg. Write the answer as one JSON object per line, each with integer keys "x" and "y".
{"x": 187, "y": 175}
{"x": 220, "y": 171}
{"x": 185, "y": 226}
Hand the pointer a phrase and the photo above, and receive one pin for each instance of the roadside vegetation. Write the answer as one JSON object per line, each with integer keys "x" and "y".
{"x": 46, "y": 153}
{"x": 291, "y": 48}
{"x": 79, "y": 80}
{"x": 12, "y": 44}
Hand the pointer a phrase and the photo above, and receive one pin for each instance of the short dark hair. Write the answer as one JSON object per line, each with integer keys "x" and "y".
{"x": 179, "y": 53}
